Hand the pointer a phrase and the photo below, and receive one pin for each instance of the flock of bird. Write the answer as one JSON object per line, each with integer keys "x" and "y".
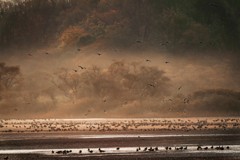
{"x": 144, "y": 149}
{"x": 138, "y": 149}
{"x": 48, "y": 125}
{"x": 98, "y": 53}
{"x": 81, "y": 67}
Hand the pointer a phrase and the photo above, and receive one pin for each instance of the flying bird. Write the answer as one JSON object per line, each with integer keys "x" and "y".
{"x": 164, "y": 43}
{"x": 116, "y": 50}
{"x": 148, "y": 60}
{"x": 179, "y": 87}
{"x": 74, "y": 70}
{"x": 82, "y": 67}
{"x": 79, "y": 49}
{"x": 151, "y": 85}
{"x": 213, "y": 5}
{"x": 186, "y": 100}
{"x": 167, "y": 62}
{"x": 46, "y": 53}
{"x": 99, "y": 54}
{"x": 138, "y": 41}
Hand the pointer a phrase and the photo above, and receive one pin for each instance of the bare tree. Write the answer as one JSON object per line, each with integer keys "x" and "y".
{"x": 9, "y": 76}
{"x": 69, "y": 83}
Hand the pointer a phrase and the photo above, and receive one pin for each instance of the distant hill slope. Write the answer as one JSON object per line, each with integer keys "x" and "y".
{"x": 186, "y": 24}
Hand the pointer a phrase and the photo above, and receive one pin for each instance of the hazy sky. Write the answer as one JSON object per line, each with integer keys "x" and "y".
{"x": 121, "y": 84}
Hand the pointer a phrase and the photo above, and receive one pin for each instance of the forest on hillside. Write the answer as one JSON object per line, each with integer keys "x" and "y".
{"x": 173, "y": 24}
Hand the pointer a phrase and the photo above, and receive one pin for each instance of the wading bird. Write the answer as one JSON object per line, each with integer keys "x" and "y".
{"x": 100, "y": 150}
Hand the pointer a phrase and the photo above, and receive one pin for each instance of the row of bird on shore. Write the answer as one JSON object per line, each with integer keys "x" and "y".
{"x": 148, "y": 149}
{"x": 120, "y": 125}
{"x": 145, "y": 149}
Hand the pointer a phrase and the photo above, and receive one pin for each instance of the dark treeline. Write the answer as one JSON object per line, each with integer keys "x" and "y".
{"x": 173, "y": 24}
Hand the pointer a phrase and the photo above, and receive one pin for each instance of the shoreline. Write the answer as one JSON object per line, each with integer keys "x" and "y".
{"x": 120, "y": 157}
{"x": 40, "y": 138}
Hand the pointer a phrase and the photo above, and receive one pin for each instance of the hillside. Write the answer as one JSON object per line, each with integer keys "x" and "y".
{"x": 187, "y": 25}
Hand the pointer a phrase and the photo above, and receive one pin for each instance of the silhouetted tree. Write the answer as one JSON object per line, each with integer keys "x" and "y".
{"x": 9, "y": 76}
